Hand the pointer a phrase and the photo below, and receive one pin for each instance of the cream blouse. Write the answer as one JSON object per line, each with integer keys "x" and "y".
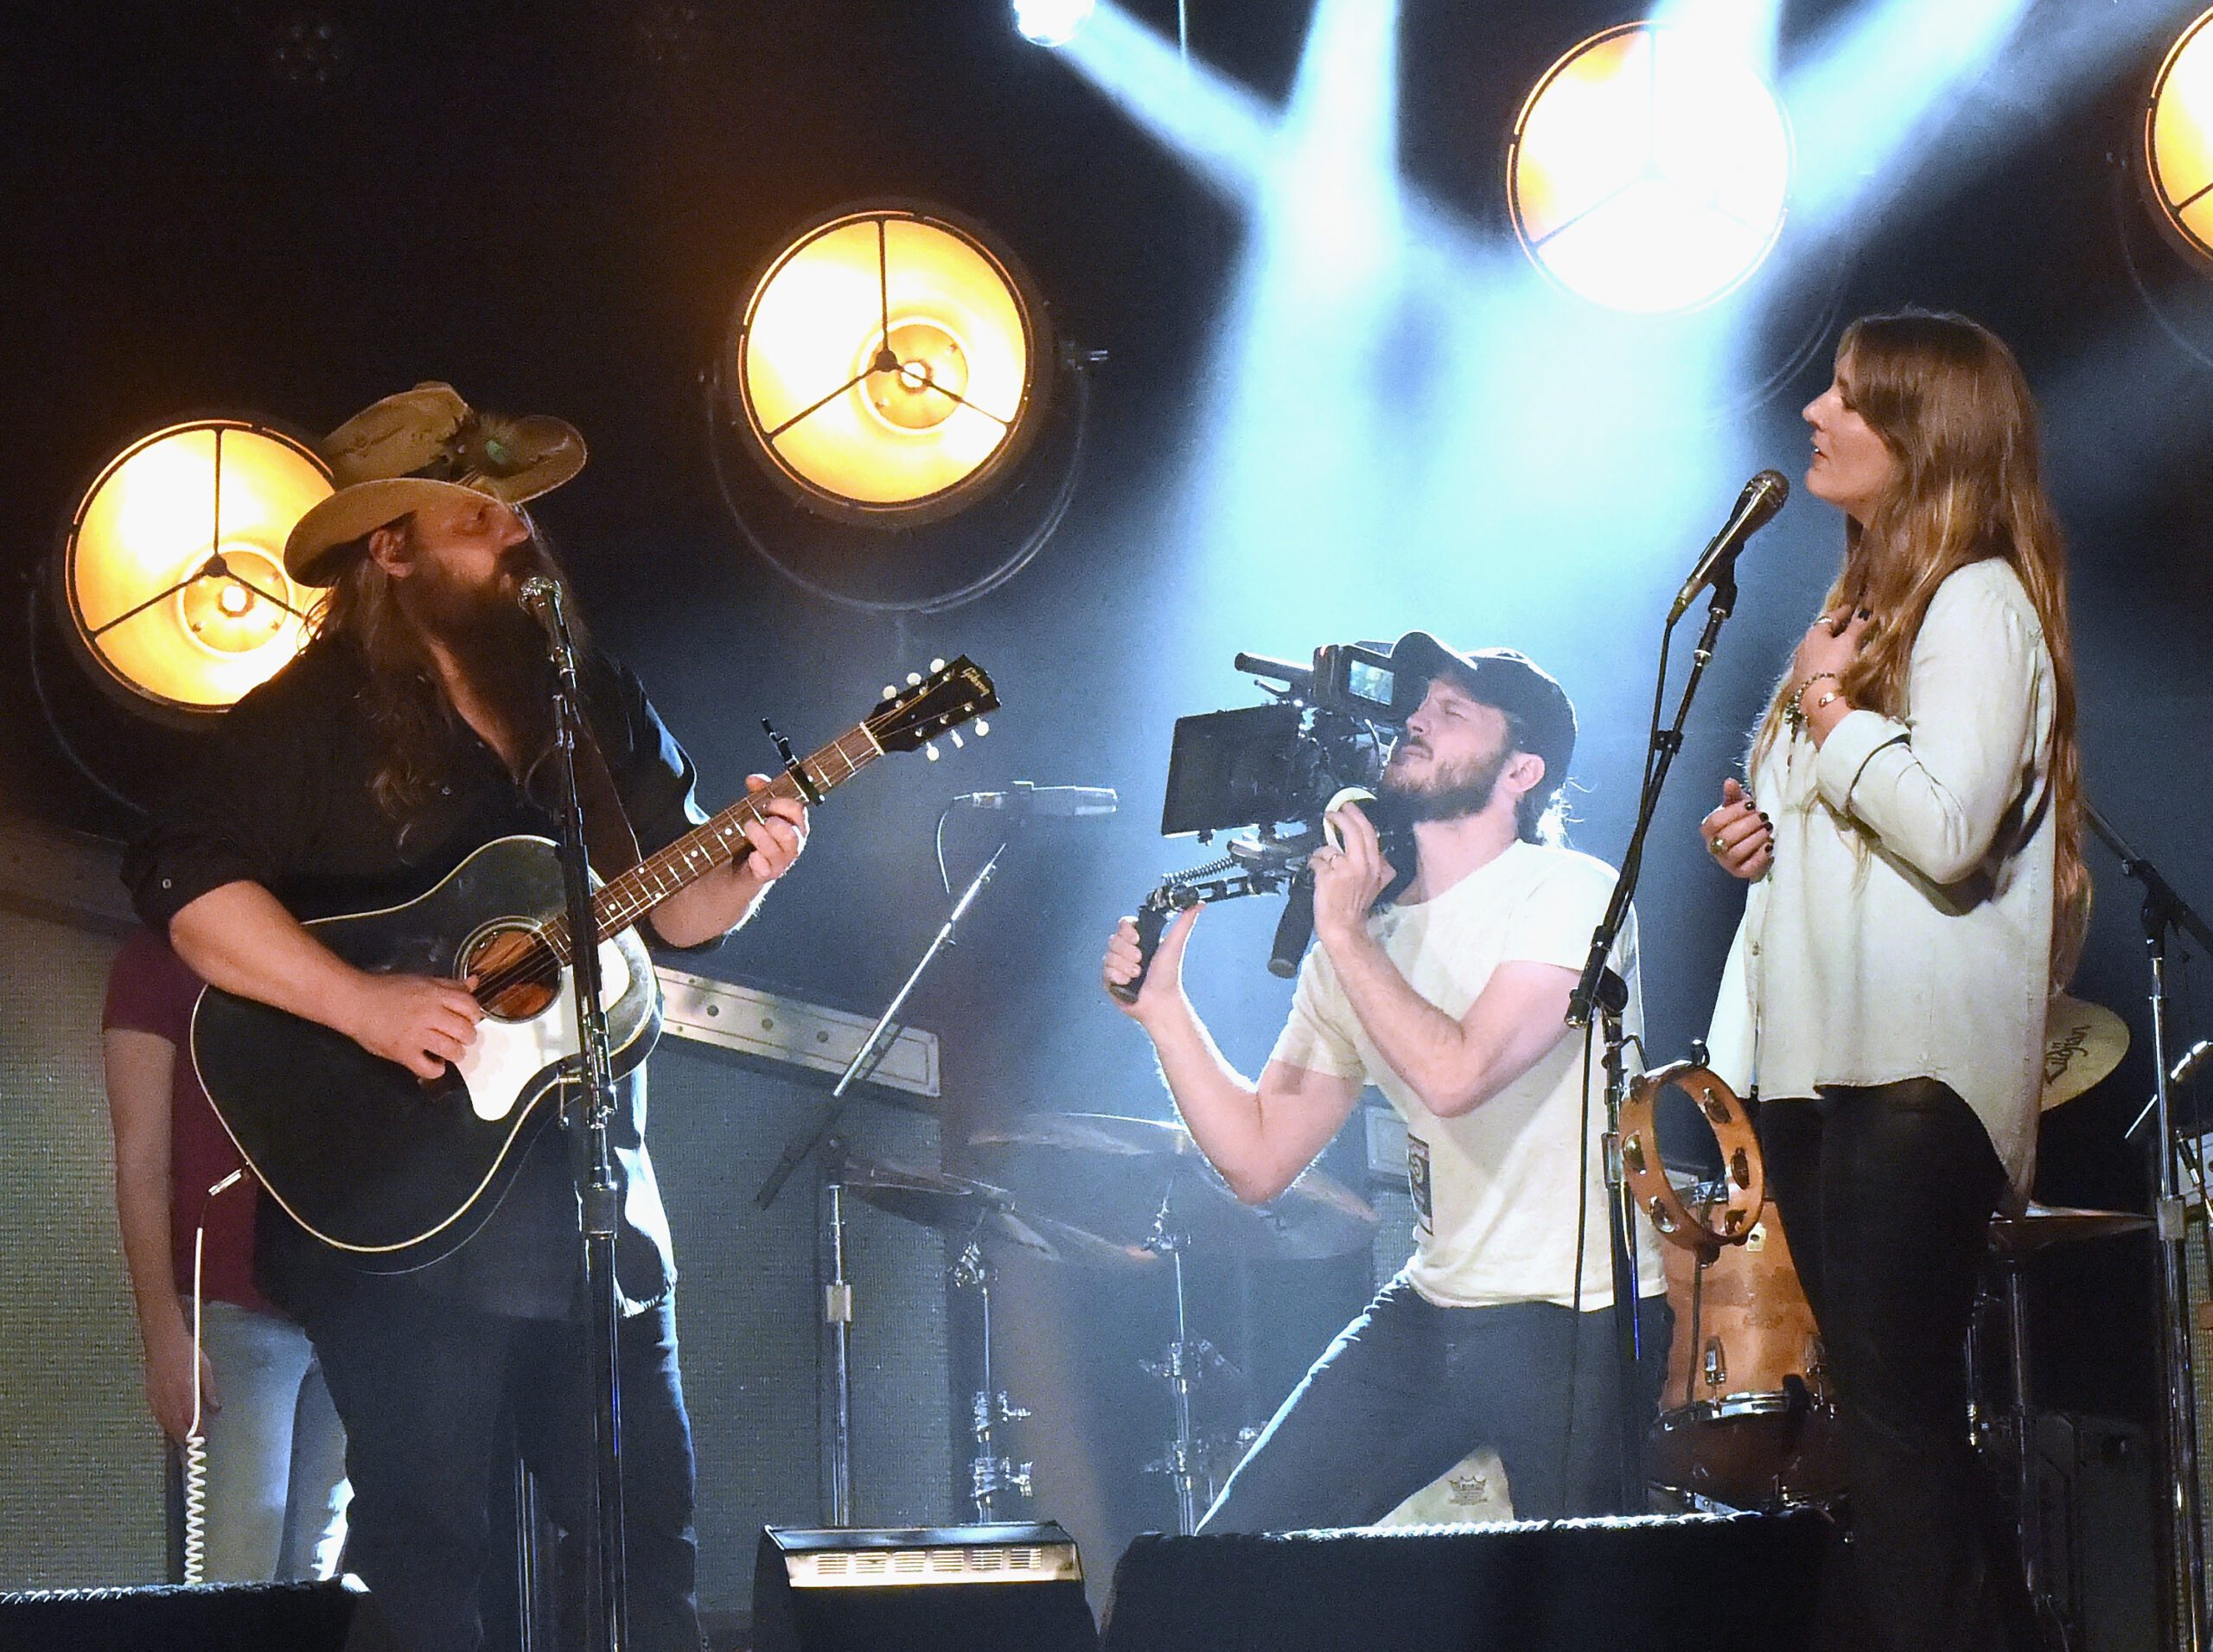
{"x": 1904, "y": 928}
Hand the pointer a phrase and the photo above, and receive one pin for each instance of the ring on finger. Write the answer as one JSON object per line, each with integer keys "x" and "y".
{"x": 1717, "y": 843}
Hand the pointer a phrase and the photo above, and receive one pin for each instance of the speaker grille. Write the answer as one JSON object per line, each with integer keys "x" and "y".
{"x": 82, "y": 1501}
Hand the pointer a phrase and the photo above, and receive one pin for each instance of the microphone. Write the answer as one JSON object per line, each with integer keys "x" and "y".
{"x": 1756, "y": 508}
{"x": 542, "y": 597}
{"x": 1045, "y": 802}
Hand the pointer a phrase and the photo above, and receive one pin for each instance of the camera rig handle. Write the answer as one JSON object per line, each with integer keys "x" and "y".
{"x": 1227, "y": 879}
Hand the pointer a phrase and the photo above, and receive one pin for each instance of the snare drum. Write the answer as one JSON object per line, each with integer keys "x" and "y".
{"x": 1746, "y": 1419}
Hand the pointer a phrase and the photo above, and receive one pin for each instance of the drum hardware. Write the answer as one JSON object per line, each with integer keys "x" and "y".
{"x": 991, "y": 1475}
{"x": 1746, "y": 1420}
{"x": 2010, "y": 1435}
{"x": 2182, "y": 1530}
{"x": 1143, "y": 1184}
{"x": 1108, "y": 1175}
{"x": 1182, "y": 1364}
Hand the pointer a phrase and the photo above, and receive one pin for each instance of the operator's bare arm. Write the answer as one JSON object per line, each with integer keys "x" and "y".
{"x": 1259, "y": 1136}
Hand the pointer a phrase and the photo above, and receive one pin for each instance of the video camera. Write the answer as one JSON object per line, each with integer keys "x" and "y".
{"x": 1275, "y": 769}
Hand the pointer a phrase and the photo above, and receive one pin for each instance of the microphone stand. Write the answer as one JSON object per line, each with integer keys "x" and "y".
{"x": 1602, "y": 991}
{"x": 838, "y": 1291}
{"x": 587, "y": 1107}
{"x": 2181, "y": 1514}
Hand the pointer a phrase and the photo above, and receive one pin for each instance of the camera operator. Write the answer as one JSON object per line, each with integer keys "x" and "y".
{"x": 1453, "y": 1002}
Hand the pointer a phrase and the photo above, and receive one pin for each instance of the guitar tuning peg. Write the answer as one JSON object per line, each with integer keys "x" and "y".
{"x": 913, "y": 679}
{"x": 889, "y": 692}
{"x": 937, "y": 665}
{"x": 931, "y": 751}
{"x": 958, "y": 743}
{"x": 982, "y": 728}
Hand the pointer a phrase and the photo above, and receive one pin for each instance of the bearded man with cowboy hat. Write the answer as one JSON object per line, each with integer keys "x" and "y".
{"x": 407, "y": 734}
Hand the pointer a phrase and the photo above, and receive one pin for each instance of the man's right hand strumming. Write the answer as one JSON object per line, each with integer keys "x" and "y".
{"x": 420, "y": 1021}
{"x": 1164, "y": 979}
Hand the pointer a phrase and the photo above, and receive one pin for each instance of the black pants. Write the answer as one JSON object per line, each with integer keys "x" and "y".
{"x": 421, "y": 1381}
{"x": 1886, "y": 1195}
{"x": 1409, "y": 1389}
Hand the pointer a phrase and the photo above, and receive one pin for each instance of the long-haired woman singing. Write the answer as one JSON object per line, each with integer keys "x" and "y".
{"x": 1913, "y": 843}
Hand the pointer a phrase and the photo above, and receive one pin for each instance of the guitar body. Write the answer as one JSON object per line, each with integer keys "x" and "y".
{"x": 372, "y": 1160}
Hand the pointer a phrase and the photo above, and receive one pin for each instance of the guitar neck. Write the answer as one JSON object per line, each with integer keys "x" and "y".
{"x": 625, "y": 900}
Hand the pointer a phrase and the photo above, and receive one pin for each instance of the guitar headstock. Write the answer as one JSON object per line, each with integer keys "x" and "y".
{"x": 952, "y": 694}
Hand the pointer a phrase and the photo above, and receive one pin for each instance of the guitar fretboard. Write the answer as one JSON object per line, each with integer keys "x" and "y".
{"x": 622, "y": 902}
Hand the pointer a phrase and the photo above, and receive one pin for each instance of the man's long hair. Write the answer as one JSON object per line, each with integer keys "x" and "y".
{"x": 409, "y": 711}
{"x": 1951, "y": 404}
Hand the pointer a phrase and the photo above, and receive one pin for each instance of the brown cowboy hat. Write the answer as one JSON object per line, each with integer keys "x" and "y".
{"x": 413, "y": 449}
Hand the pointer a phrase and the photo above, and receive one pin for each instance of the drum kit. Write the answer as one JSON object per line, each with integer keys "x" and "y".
{"x": 1093, "y": 1190}
{"x": 1747, "y": 1418}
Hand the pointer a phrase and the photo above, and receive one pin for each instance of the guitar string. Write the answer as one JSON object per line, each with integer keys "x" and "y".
{"x": 639, "y": 890}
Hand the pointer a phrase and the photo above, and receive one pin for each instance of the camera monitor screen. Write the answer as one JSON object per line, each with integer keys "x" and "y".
{"x": 1226, "y": 768}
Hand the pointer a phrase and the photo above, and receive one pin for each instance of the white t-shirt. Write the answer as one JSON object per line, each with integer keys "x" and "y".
{"x": 1495, "y": 1190}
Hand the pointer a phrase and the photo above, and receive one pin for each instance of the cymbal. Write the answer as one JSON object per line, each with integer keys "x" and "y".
{"x": 2082, "y": 1043}
{"x": 978, "y": 1210}
{"x": 1123, "y": 1177}
{"x": 2041, "y": 1225}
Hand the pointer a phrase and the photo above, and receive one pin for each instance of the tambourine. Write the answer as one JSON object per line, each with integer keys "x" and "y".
{"x": 1744, "y": 1175}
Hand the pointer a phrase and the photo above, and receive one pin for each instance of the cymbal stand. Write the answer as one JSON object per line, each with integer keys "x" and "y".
{"x": 2181, "y": 1514}
{"x": 1182, "y": 1364}
{"x": 2020, "y": 1420}
{"x": 991, "y": 1475}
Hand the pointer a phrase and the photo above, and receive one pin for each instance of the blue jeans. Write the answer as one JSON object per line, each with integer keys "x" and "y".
{"x": 1409, "y": 1389}
{"x": 276, "y": 1496}
{"x": 424, "y": 1382}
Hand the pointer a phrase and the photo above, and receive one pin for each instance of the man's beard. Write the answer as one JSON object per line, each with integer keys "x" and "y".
{"x": 496, "y": 643}
{"x": 1447, "y": 793}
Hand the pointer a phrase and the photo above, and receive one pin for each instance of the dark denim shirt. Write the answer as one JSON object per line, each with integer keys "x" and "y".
{"x": 281, "y": 796}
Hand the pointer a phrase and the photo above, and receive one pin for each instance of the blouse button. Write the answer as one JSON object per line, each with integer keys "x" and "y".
{"x": 167, "y": 884}
{"x": 445, "y": 791}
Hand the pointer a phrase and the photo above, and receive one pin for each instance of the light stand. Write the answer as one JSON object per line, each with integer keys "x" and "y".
{"x": 2181, "y": 1517}
{"x": 1601, "y": 990}
{"x": 588, "y": 1105}
{"x": 837, "y": 1293}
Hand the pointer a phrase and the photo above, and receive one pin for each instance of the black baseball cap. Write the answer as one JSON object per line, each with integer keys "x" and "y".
{"x": 1504, "y": 678}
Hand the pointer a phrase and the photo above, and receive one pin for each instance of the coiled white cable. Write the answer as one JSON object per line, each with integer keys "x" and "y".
{"x": 196, "y": 1439}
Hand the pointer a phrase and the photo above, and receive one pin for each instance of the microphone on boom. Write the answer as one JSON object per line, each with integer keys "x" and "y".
{"x": 1045, "y": 802}
{"x": 1756, "y": 508}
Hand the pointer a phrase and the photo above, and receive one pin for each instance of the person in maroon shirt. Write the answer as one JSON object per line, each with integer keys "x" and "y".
{"x": 275, "y": 1493}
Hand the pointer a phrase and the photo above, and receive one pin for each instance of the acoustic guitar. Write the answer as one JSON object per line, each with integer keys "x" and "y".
{"x": 398, "y": 1172}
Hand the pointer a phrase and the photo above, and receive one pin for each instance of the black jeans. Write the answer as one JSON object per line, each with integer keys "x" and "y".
{"x": 420, "y": 1381}
{"x": 1409, "y": 1389}
{"x": 1886, "y": 1194}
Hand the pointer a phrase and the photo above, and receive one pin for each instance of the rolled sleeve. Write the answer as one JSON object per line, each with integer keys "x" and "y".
{"x": 1935, "y": 789}
{"x": 242, "y": 813}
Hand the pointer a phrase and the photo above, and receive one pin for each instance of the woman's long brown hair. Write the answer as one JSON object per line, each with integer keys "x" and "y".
{"x": 1950, "y": 403}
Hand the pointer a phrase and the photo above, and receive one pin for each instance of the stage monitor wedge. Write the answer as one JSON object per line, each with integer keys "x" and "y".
{"x": 1001, "y": 1588}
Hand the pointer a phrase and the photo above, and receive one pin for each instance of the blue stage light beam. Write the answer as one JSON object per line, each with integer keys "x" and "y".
{"x": 1224, "y": 132}
{"x": 1749, "y": 29}
{"x": 1869, "y": 96}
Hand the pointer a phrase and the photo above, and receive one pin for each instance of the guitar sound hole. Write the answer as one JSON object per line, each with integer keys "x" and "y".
{"x": 516, "y": 973}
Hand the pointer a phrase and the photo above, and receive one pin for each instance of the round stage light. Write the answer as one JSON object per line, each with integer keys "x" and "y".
{"x": 173, "y": 568}
{"x": 2178, "y": 142}
{"x": 1051, "y": 23}
{"x": 889, "y": 366}
{"x": 1647, "y": 172}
